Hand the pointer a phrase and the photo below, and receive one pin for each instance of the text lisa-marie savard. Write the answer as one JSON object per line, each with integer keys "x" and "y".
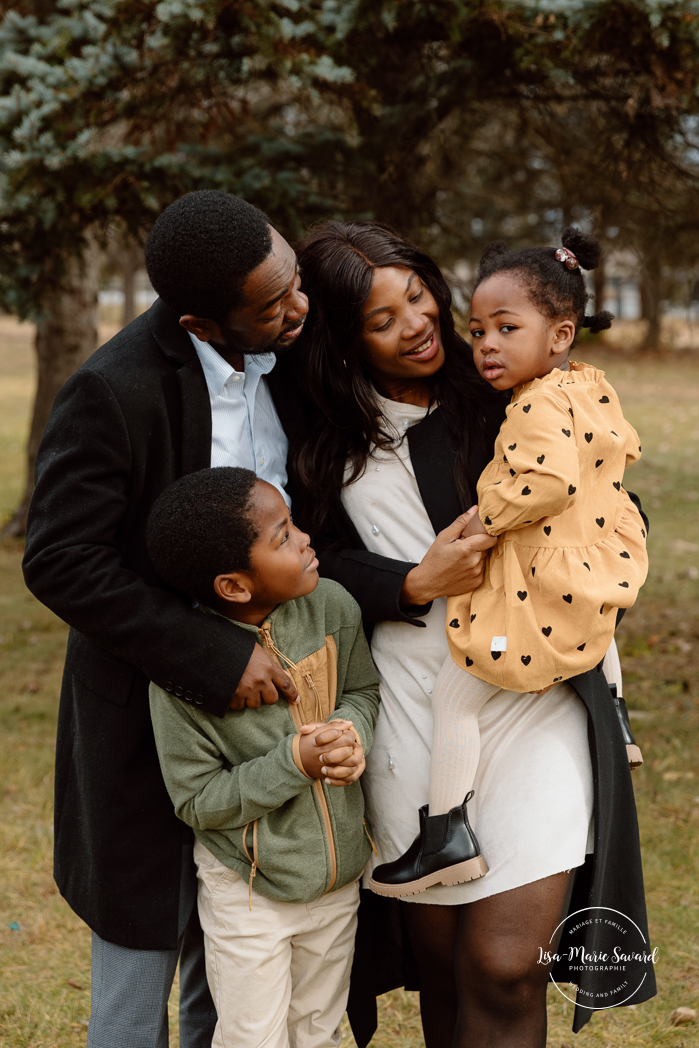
{"x": 616, "y": 960}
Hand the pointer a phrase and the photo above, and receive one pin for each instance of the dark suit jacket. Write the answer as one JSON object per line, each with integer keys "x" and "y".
{"x": 613, "y": 876}
{"x": 131, "y": 421}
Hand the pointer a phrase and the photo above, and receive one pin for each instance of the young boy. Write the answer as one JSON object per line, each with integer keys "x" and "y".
{"x": 279, "y": 849}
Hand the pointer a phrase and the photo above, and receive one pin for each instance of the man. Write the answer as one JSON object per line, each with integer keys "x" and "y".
{"x": 189, "y": 384}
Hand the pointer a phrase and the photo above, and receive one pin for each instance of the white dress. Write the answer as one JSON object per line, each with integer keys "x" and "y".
{"x": 532, "y": 809}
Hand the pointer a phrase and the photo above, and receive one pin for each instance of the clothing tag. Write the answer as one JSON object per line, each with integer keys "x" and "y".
{"x": 498, "y": 644}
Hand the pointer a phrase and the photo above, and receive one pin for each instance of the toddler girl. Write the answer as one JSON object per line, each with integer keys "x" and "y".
{"x": 571, "y": 547}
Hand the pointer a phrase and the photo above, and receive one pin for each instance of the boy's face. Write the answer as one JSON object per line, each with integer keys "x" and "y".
{"x": 283, "y": 564}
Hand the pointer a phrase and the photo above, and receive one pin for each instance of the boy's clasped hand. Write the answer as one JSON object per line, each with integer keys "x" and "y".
{"x": 332, "y": 752}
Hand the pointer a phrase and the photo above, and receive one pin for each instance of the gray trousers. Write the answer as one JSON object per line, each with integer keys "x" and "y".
{"x": 130, "y": 988}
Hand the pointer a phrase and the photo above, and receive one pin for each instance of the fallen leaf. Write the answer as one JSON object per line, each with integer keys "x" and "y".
{"x": 72, "y": 982}
{"x": 682, "y": 1016}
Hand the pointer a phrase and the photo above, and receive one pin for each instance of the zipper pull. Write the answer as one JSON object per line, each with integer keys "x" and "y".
{"x": 373, "y": 846}
{"x": 253, "y": 871}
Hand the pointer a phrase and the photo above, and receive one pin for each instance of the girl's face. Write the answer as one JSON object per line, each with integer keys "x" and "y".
{"x": 512, "y": 341}
{"x": 401, "y": 340}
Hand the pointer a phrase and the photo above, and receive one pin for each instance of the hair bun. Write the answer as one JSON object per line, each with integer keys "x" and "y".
{"x": 599, "y": 322}
{"x": 492, "y": 250}
{"x": 585, "y": 247}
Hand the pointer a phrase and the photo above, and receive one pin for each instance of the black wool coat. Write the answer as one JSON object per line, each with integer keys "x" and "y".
{"x": 133, "y": 419}
{"x": 613, "y": 876}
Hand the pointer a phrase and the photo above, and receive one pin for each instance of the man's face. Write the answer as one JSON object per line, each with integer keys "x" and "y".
{"x": 274, "y": 310}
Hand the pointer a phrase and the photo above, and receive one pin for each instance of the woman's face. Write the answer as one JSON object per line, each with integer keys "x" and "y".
{"x": 401, "y": 340}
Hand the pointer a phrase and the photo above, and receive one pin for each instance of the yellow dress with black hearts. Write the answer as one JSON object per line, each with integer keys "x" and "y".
{"x": 572, "y": 545}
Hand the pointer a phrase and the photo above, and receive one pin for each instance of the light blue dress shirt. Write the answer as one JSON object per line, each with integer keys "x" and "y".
{"x": 245, "y": 427}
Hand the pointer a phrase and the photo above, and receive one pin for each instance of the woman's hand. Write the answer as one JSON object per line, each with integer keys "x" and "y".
{"x": 452, "y": 565}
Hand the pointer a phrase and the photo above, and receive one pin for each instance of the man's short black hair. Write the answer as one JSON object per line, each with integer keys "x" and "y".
{"x": 201, "y": 527}
{"x": 201, "y": 251}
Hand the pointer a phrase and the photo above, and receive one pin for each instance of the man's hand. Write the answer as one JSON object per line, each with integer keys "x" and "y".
{"x": 321, "y": 744}
{"x": 452, "y": 565}
{"x": 263, "y": 681}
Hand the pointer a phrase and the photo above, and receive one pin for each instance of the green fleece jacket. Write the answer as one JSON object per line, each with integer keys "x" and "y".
{"x": 238, "y": 780}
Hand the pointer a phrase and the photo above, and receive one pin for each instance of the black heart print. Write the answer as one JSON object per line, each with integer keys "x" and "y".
{"x": 571, "y": 412}
{"x": 557, "y": 679}
{"x": 469, "y": 662}
{"x": 643, "y": 533}
{"x": 547, "y": 529}
{"x": 473, "y": 617}
{"x": 624, "y": 585}
{"x": 496, "y": 655}
{"x": 568, "y": 598}
{"x": 566, "y": 431}
{"x": 546, "y": 630}
{"x": 454, "y": 624}
{"x": 540, "y": 459}
{"x": 512, "y": 473}
{"x": 488, "y": 520}
{"x": 599, "y": 521}
{"x": 522, "y": 594}
{"x": 625, "y": 555}
{"x": 533, "y": 572}
{"x": 588, "y": 437}
{"x": 586, "y": 565}
{"x": 598, "y": 463}
{"x": 526, "y": 659}
{"x": 604, "y": 400}
{"x": 581, "y": 647}
{"x": 526, "y": 490}
{"x": 571, "y": 489}
{"x": 511, "y": 447}
{"x": 617, "y": 485}
{"x": 527, "y": 408}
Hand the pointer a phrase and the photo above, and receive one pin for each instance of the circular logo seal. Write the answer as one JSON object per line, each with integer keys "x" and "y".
{"x": 603, "y": 952}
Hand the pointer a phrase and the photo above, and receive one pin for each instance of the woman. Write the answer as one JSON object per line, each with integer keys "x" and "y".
{"x": 402, "y": 430}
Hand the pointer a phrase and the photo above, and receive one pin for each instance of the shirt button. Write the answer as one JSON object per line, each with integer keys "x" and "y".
{"x": 262, "y": 461}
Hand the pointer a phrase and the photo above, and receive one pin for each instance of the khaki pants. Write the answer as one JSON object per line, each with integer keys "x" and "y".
{"x": 279, "y": 973}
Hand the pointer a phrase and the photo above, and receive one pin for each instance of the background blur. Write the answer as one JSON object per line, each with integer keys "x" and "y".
{"x": 457, "y": 122}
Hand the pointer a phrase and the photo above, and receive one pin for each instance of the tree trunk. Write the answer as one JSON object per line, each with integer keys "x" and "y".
{"x": 650, "y": 304}
{"x": 600, "y": 277}
{"x": 131, "y": 262}
{"x": 65, "y": 338}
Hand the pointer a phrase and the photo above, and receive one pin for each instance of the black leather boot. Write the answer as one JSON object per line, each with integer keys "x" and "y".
{"x": 445, "y": 851}
{"x": 633, "y": 752}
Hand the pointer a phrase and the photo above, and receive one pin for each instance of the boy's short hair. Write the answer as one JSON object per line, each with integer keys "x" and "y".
{"x": 200, "y": 527}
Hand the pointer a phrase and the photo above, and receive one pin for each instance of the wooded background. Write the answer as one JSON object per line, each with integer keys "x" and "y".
{"x": 456, "y": 121}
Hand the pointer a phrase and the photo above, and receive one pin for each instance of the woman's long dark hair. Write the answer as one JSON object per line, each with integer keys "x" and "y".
{"x": 337, "y": 262}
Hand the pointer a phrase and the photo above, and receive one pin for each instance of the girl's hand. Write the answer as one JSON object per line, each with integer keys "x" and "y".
{"x": 474, "y": 526}
{"x": 452, "y": 565}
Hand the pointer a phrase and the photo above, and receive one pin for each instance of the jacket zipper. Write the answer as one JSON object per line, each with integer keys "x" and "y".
{"x": 278, "y": 655}
{"x": 254, "y": 860}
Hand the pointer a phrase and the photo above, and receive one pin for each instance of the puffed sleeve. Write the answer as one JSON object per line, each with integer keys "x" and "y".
{"x": 538, "y": 473}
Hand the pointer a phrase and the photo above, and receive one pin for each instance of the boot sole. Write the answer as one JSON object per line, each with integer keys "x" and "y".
{"x": 635, "y": 756}
{"x": 462, "y": 872}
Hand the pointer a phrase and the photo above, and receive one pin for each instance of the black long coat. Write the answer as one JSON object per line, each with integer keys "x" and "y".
{"x": 613, "y": 876}
{"x": 132, "y": 420}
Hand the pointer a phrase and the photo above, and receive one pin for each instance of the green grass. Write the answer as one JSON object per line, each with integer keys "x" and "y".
{"x": 39, "y": 1005}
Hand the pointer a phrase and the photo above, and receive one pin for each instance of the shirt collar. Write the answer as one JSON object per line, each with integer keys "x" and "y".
{"x": 217, "y": 371}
